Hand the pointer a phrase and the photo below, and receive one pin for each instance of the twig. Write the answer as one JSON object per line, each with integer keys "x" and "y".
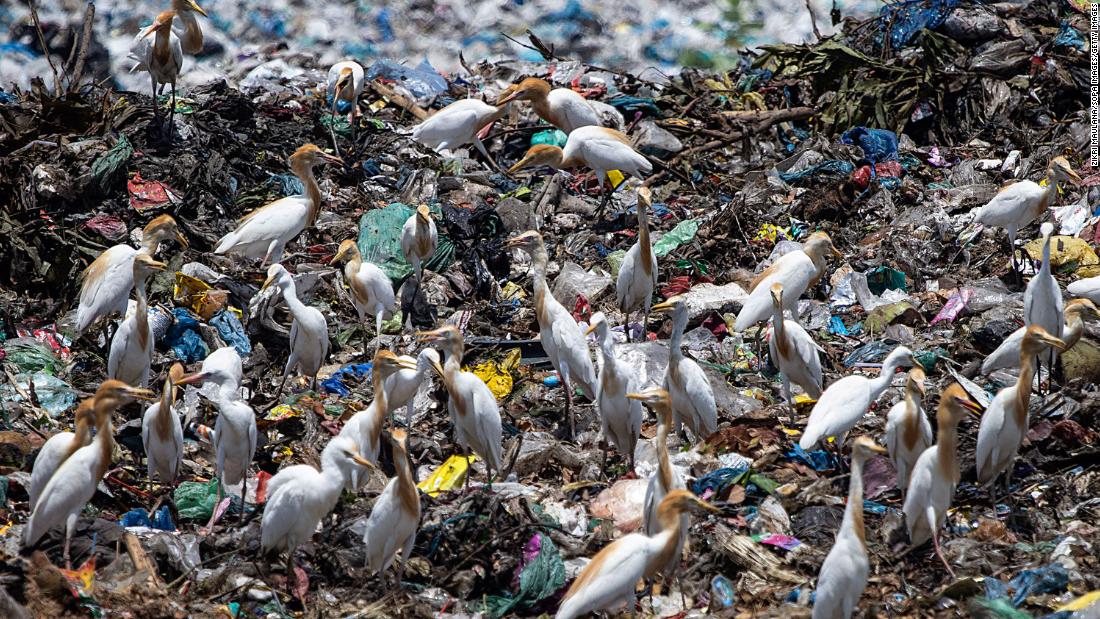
{"x": 85, "y": 40}
{"x": 403, "y": 102}
{"x": 45, "y": 48}
{"x": 813, "y": 20}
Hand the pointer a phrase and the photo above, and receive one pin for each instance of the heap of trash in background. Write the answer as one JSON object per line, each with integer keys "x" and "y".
{"x": 887, "y": 135}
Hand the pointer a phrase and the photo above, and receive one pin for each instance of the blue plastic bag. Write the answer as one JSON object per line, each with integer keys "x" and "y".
{"x": 422, "y": 81}
{"x": 903, "y": 20}
{"x": 352, "y": 371}
{"x": 878, "y": 145}
{"x": 183, "y": 337}
{"x": 232, "y": 331}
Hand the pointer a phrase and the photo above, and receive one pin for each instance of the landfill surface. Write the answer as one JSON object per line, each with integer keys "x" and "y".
{"x": 888, "y": 132}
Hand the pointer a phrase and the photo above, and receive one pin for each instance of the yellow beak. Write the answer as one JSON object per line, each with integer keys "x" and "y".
{"x": 406, "y": 364}
{"x": 508, "y": 96}
{"x": 589, "y": 330}
{"x": 663, "y": 306}
{"x": 364, "y": 462}
{"x": 198, "y": 9}
{"x": 194, "y": 378}
{"x": 140, "y": 394}
{"x": 270, "y": 280}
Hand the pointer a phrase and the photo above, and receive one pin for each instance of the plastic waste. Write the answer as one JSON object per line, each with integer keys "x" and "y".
{"x": 880, "y": 279}
{"x": 1067, "y": 251}
{"x": 448, "y": 476}
{"x": 184, "y": 338}
{"x": 138, "y": 517}
{"x": 146, "y": 194}
{"x": 354, "y": 373}
{"x": 196, "y": 500}
{"x": 110, "y": 227}
{"x": 539, "y": 575}
{"x": 683, "y": 233}
{"x": 831, "y": 168}
{"x": 54, "y": 395}
{"x": 1068, "y": 36}
{"x": 553, "y": 137}
{"x": 498, "y": 375}
{"x": 956, "y": 303}
{"x": 111, "y": 165}
{"x": 899, "y": 22}
{"x": 422, "y": 81}
{"x": 723, "y": 593}
{"x": 28, "y": 354}
{"x": 651, "y": 139}
{"x": 871, "y": 352}
{"x": 622, "y": 503}
{"x": 232, "y": 332}
{"x": 380, "y": 239}
{"x": 879, "y": 145}
{"x": 573, "y": 282}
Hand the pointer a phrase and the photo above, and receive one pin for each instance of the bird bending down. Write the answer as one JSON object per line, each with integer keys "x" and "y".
{"x": 846, "y": 401}
{"x": 365, "y": 426}
{"x": 908, "y": 432}
{"x": 299, "y": 497}
{"x": 665, "y": 479}
{"x": 106, "y": 283}
{"x": 936, "y": 473}
{"x": 74, "y": 483}
{"x": 638, "y": 274}
{"x": 793, "y": 351}
{"x": 1021, "y": 203}
{"x": 1007, "y": 355}
{"x": 1088, "y": 288}
{"x": 418, "y": 240}
{"x": 688, "y": 386}
{"x": 234, "y": 431}
{"x": 395, "y": 515}
{"x": 843, "y": 575}
{"x": 458, "y": 124}
{"x": 226, "y": 361}
{"x": 1043, "y": 301}
{"x": 559, "y": 333}
{"x": 161, "y": 433}
{"x": 402, "y": 386}
{"x": 371, "y": 290}
{"x": 609, "y": 579}
{"x": 472, "y": 406}
{"x": 620, "y": 416}
{"x": 132, "y": 345}
{"x": 163, "y": 60}
{"x": 564, "y": 108}
{"x": 797, "y": 271}
{"x": 345, "y": 84}
{"x": 264, "y": 233}
{"x": 308, "y": 331}
{"x": 1004, "y": 423}
{"x": 59, "y": 447}
{"x": 598, "y": 148}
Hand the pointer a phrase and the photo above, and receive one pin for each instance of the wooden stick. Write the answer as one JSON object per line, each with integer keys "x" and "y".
{"x": 45, "y": 48}
{"x": 85, "y": 40}
{"x": 142, "y": 563}
{"x": 401, "y": 101}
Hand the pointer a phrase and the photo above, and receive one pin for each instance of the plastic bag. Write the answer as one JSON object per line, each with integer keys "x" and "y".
{"x": 879, "y": 145}
{"x": 183, "y": 337}
{"x": 31, "y": 355}
{"x": 232, "y": 332}
{"x": 901, "y": 21}
{"x": 422, "y": 81}
{"x": 553, "y": 137}
{"x": 109, "y": 167}
{"x": 498, "y": 376}
{"x": 196, "y": 500}
{"x": 683, "y": 233}
{"x": 539, "y": 575}
{"x": 54, "y": 395}
{"x": 448, "y": 476}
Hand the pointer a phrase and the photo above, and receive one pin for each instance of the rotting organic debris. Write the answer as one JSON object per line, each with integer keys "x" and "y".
{"x": 760, "y": 142}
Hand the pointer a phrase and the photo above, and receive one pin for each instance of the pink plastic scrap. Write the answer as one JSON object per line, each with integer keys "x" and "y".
{"x": 109, "y": 226}
{"x": 954, "y": 306}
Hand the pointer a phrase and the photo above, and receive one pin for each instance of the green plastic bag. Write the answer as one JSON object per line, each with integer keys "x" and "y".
{"x": 553, "y": 137}
{"x": 196, "y": 500}
{"x": 339, "y": 124}
{"x": 380, "y": 242}
{"x": 31, "y": 355}
{"x": 112, "y": 163}
{"x": 681, "y": 234}
{"x": 542, "y": 574}
{"x": 615, "y": 259}
{"x": 885, "y": 278}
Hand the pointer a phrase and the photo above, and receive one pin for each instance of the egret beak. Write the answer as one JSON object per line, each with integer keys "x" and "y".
{"x": 1053, "y": 342}
{"x": 1073, "y": 176}
{"x": 330, "y": 158}
{"x": 663, "y": 307}
{"x": 150, "y": 29}
{"x": 158, "y": 266}
{"x": 645, "y": 196}
{"x": 437, "y": 367}
{"x": 424, "y": 337}
{"x": 529, "y": 160}
{"x": 140, "y": 394}
{"x": 877, "y": 449}
{"x": 423, "y": 214}
{"x": 836, "y": 252}
{"x": 182, "y": 240}
{"x": 636, "y": 396}
{"x": 360, "y": 460}
{"x": 971, "y": 406}
{"x": 192, "y": 379}
{"x": 406, "y": 364}
{"x": 198, "y": 9}
{"x": 707, "y": 506}
{"x": 338, "y": 257}
{"x": 270, "y": 280}
{"x": 590, "y": 329}
{"x": 515, "y": 241}
{"x": 509, "y": 95}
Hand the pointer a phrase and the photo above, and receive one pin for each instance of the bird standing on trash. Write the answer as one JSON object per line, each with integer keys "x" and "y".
{"x": 131, "y": 352}
{"x": 59, "y": 447}
{"x": 402, "y": 386}
{"x": 1043, "y": 302}
{"x": 472, "y": 406}
{"x": 264, "y": 233}
{"x": 1007, "y": 355}
{"x": 458, "y": 124}
{"x": 608, "y": 581}
{"x": 665, "y": 479}
{"x": 75, "y": 481}
{"x": 793, "y": 351}
{"x": 936, "y": 473}
{"x": 559, "y": 333}
{"x": 308, "y": 331}
{"x": 688, "y": 387}
{"x": 300, "y": 496}
{"x": 1004, "y": 424}
{"x": 638, "y": 273}
{"x": 106, "y": 283}
{"x": 345, "y": 84}
{"x": 365, "y": 426}
{"x": 163, "y": 60}
{"x": 599, "y": 148}
{"x": 185, "y": 27}
{"x": 161, "y": 433}
{"x": 843, "y": 575}
{"x": 234, "y": 431}
{"x": 1088, "y": 288}
{"x": 620, "y": 416}
{"x": 371, "y": 290}
{"x": 846, "y": 401}
{"x": 1021, "y": 203}
{"x": 418, "y": 240}
{"x": 395, "y": 515}
{"x": 797, "y": 271}
{"x": 564, "y": 108}
{"x": 227, "y": 362}
{"x": 908, "y": 432}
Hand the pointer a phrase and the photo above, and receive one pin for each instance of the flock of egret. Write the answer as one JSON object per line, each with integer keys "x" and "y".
{"x": 300, "y": 497}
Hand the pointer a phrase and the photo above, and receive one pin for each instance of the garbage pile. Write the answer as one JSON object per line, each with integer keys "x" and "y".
{"x": 882, "y": 144}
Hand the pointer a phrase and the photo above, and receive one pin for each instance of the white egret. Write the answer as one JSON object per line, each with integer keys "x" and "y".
{"x": 688, "y": 386}
{"x": 1088, "y": 288}
{"x": 638, "y": 274}
{"x": 844, "y": 403}
{"x": 395, "y": 515}
{"x": 843, "y": 574}
{"x": 265, "y": 232}
{"x": 59, "y": 447}
{"x": 797, "y": 271}
{"x": 345, "y": 83}
{"x": 620, "y": 416}
{"x": 227, "y": 361}
{"x": 308, "y": 331}
{"x": 365, "y": 426}
{"x": 371, "y": 290}
{"x": 665, "y": 479}
{"x": 185, "y": 27}
{"x": 610, "y": 578}
{"x": 1007, "y": 355}
{"x": 559, "y": 333}
{"x": 163, "y": 60}
{"x": 161, "y": 432}
{"x": 564, "y": 108}
{"x": 1043, "y": 299}
{"x": 908, "y": 432}
{"x": 472, "y": 406}
{"x": 793, "y": 351}
{"x": 936, "y": 473}
{"x": 458, "y": 124}
{"x": 418, "y": 240}
{"x": 131, "y": 352}
{"x": 402, "y": 386}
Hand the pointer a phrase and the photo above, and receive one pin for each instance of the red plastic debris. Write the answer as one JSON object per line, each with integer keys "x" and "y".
{"x": 887, "y": 169}
{"x": 147, "y": 194}
{"x": 108, "y": 226}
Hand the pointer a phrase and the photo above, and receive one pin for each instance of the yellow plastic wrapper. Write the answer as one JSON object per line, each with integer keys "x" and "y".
{"x": 512, "y": 292}
{"x": 1081, "y": 603}
{"x": 200, "y": 297}
{"x": 1067, "y": 250}
{"x": 616, "y": 178}
{"x": 498, "y": 375}
{"x": 282, "y": 411}
{"x": 803, "y": 403}
{"x": 448, "y": 476}
{"x": 769, "y": 232}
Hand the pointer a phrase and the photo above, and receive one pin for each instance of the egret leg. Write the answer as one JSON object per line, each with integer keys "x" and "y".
{"x": 481, "y": 147}
{"x": 569, "y": 408}
{"x": 409, "y": 412}
{"x": 939, "y": 552}
{"x": 70, "y": 524}
{"x": 377, "y": 331}
{"x": 787, "y": 390}
{"x": 680, "y": 585}
{"x": 172, "y": 112}
{"x": 466, "y": 477}
{"x": 332, "y": 126}
{"x": 156, "y": 112}
{"x": 279, "y": 393}
{"x": 244, "y": 493}
{"x": 603, "y": 462}
{"x": 1012, "y": 257}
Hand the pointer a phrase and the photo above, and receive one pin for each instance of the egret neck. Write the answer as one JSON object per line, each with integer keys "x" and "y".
{"x": 911, "y": 425}
{"x": 104, "y": 435}
{"x": 406, "y": 489}
{"x": 304, "y": 171}
{"x": 192, "y": 34}
{"x": 679, "y": 324}
{"x": 539, "y": 260}
{"x": 645, "y": 249}
{"x": 160, "y": 44}
{"x": 947, "y": 442}
{"x": 163, "y": 420}
{"x": 668, "y": 515}
{"x": 853, "y": 512}
{"x": 1023, "y": 384}
{"x": 779, "y": 329}
{"x": 664, "y": 422}
{"x": 880, "y": 383}
{"x": 141, "y": 312}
